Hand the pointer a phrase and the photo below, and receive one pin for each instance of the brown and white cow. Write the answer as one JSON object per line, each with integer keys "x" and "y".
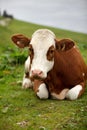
{"x": 54, "y": 68}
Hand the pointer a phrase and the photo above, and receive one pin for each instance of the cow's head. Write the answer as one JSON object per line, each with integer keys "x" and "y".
{"x": 42, "y": 47}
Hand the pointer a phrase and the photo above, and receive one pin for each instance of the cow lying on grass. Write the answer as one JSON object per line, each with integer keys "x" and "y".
{"x": 54, "y": 68}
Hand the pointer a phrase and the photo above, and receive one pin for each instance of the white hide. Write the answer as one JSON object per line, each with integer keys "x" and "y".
{"x": 73, "y": 93}
{"x": 42, "y": 92}
{"x": 41, "y": 41}
{"x": 26, "y": 83}
{"x": 27, "y": 65}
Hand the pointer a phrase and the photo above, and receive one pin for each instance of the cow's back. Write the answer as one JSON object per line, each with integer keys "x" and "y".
{"x": 69, "y": 70}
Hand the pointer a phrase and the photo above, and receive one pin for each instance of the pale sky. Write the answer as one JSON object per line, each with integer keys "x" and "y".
{"x": 64, "y": 14}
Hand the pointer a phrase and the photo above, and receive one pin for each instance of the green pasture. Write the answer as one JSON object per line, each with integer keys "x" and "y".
{"x": 21, "y": 109}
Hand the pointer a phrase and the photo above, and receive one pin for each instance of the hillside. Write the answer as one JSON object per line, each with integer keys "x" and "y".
{"x": 21, "y": 109}
{"x": 28, "y": 28}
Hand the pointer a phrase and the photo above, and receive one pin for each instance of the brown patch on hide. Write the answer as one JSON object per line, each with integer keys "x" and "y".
{"x": 83, "y": 84}
{"x": 37, "y": 83}
{"x": 50, "y": 53}
{"x": 31, "y": 52}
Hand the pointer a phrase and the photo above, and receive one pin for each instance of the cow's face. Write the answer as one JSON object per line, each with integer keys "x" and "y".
{"x": 41, "y": 49}
{"x": 42, "y": 46}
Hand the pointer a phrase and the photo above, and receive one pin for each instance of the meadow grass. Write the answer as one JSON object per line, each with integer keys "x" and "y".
{"x": 21, "y": 109}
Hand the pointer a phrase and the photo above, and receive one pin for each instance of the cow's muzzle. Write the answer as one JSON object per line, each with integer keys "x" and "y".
{"x": 37, "y": 74}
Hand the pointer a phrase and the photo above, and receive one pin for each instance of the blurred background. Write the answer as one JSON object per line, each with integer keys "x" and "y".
{"x": 19, "y": 109}
{"x": 64, "y": 14}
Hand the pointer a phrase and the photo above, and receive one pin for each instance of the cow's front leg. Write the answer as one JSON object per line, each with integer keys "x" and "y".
{"x": 76, "y": 91}
{"x": 41, "y": 89}
{"x": 61, "y": 95}
{"x": 26, "y": 81}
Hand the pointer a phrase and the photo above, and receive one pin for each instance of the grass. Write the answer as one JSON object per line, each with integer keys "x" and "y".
{"x": 21, "y": 109}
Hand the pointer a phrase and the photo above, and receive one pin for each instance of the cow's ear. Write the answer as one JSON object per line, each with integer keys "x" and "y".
{"x": 20, "y": 40}
{"x": 64, "y": 44}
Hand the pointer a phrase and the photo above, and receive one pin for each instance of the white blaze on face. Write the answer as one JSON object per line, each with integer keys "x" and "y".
{"x": 41, "y": 41}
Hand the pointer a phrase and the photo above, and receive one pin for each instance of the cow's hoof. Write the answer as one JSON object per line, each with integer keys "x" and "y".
{"x": 26, "y": 83}
{"x": 73, "y": 93}
{"x": 42, "y": 92}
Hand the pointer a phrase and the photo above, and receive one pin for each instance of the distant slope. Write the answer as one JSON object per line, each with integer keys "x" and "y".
{"x": 22, "y": 110}
{"x": 26, "y": 28}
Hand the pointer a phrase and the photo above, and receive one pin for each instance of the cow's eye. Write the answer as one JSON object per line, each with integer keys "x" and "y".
{"x": 31, "y": 52}
{"x": 50, "y": 53}
{"x": 30, "y": 48}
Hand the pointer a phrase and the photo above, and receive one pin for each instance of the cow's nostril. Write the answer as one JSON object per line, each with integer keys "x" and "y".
{"x": 40, "y": 72}
{"x": 37, "y": 72}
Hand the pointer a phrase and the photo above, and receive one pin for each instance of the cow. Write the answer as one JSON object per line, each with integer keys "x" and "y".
{"x": 54, "y": 68}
